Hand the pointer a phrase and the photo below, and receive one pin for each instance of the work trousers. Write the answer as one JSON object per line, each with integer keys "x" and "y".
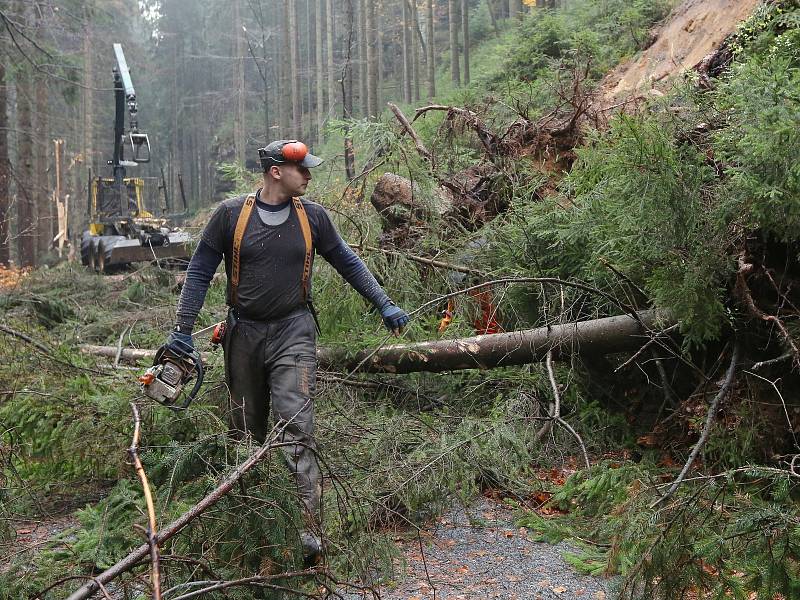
{"x": 275, "y": 363}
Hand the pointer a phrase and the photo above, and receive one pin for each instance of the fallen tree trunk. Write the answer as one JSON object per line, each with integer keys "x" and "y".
{"x": 598, "y": 337}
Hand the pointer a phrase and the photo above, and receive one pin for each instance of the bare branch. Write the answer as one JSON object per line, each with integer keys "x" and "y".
{"x": 151, "y": 533}
{"x": 171, "y": 530}
{"x": 712, "y": 411}
{"x": 555, "y": 411}
{"x": 423, "y": 151}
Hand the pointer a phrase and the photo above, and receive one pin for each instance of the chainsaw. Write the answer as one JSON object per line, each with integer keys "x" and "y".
{"x": 165, "y": 381}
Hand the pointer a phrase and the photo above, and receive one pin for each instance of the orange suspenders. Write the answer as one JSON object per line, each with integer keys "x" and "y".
{"x": 306, "y": 228}
{"x": 238, "y": 234}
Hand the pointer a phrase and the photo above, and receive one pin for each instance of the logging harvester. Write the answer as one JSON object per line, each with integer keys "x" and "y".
{"x": 121, "y": 229}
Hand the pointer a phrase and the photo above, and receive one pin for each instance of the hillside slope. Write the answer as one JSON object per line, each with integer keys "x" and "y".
{"x": 694, "y": 29}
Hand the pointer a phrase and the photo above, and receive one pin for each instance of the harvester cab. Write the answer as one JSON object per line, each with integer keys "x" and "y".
{"x": 121, "y": 229}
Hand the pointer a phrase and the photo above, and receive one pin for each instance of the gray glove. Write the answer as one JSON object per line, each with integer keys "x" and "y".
{"x": 394, "y": 317}
{"x": 179, "y": 344}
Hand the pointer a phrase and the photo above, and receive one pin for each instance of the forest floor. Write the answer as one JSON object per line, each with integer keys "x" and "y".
{"x": 479, "y": 552}
{"x": 470, "y": 552}
{"x": 31, "y": 535}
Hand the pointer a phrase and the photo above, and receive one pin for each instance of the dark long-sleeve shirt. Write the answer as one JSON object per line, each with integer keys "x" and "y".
{"x": 271, "y": 263}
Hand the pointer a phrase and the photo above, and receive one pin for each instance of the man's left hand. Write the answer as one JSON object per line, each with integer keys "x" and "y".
{"x": 395, "y": 318}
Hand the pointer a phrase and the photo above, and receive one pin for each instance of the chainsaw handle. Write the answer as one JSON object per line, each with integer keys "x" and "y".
{"x": 198, "y": 367}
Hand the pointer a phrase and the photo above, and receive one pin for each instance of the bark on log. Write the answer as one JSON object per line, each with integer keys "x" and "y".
{"x": 398, "y": 202}
{"x": 597, "y": 337}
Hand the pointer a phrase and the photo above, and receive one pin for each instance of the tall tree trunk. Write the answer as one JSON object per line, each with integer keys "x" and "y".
{"x": 347, "y": 92}
{"x": 329, "y": 19}
{"x": 513, "y": 8}
{"x": 5, "y": 170}
{"x": 465, "y": 32}
{"x": 76, "y": 208}
{"x": 41, "y": 188}
{"x": 431, "y": 47}
{"x": 45, "y": 207}
{"x": 279, "y": 60}
{"x": 239, "y": 142}
{"x": 294, "y": 74}
{"x": 320, "y": 68}
{"x": 452, "y": 17}
{"x": 26, "y": 230}
{"x": 184, "y": 119}
{"x": 175, "y": 141}
{"x": 363, "y": 93}
{"x": 493, "y": 15}
{"x": 308, "y": 76}
{"x": 88, "y": 90}
{"x": 407, "y": 74}
{"x": 379, "y": 58}
{"x": 372, "y": 61}
{"x": 265, "y": 75}
{"x": 415, "y": 47}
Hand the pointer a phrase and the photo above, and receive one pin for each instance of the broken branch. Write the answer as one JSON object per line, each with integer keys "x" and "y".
{"x": 171, "y": 530}
{"x": 423, "y": 151}
{"x": 133, "y": 452}
{"x": 712, "y": 411}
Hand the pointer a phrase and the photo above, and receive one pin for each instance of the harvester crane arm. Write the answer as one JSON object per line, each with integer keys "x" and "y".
{"x": 126, "y": 94}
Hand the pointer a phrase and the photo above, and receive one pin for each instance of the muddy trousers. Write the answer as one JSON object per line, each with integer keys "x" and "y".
{"x": 274, "y": 364}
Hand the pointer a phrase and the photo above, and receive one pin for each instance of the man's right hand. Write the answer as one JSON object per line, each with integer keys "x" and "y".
{"x": 179, "y": 344}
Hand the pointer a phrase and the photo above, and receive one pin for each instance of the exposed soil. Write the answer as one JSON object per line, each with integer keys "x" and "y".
{"x": 693, "y": 31}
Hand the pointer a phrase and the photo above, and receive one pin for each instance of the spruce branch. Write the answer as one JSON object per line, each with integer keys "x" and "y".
{"x": 171, "y": 530}
{"x": 44, "y": 349}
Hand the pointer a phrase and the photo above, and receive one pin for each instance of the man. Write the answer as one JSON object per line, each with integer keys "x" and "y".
{"x": 270, "y": 338}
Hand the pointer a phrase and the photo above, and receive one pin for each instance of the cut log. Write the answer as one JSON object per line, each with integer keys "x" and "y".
{"x": 595, "y": 337}
{"x": 393, "y": 192}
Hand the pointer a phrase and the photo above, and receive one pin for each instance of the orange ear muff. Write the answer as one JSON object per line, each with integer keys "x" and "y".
{"x": 295, "y": 151}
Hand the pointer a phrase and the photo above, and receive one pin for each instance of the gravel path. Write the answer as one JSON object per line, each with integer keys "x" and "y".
{"x": 486, "y": 556}
{"x": 30, "y": 536}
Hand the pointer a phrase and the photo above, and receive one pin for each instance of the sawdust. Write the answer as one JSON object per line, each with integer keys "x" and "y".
{"x": 694, "y": 29}
{"x": 11, "y": 277}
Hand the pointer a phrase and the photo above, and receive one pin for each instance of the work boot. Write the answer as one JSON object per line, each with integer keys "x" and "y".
{"x": 312, "y": 549}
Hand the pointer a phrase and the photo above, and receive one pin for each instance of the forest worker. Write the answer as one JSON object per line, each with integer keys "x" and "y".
{"x": 270, "y": 338}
